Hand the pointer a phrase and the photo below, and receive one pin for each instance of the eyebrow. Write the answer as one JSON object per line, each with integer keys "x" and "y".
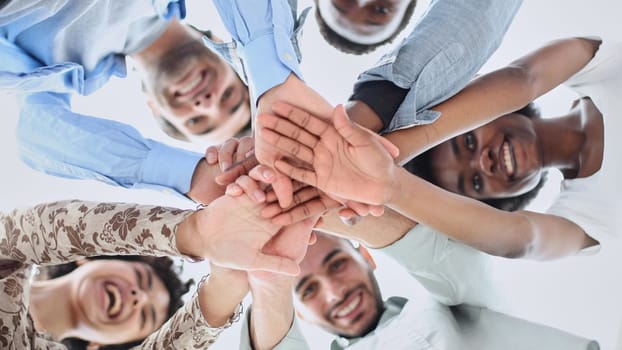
{"x": 149, "y": 279}
{"x": 326, "y": 259}
{"x": 139, "y": 277}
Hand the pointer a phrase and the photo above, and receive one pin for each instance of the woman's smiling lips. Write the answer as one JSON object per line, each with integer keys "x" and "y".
{"x": 507, "y": 158}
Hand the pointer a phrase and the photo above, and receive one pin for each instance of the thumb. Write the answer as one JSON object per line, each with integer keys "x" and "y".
{"x": 393, "y": 150}
{"x": 276, "y": 264}
{"x": 343, "y": 125}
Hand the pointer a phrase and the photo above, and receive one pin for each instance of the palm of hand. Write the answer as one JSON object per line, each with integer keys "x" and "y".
{"x": 358, "y": 172}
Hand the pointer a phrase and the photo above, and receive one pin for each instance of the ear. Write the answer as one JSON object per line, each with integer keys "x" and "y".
{"x": 93, "y": 346}
{"x": 367, "y": 256}
{"x": 153, "y": 107}
{"x": 299, "y": 315}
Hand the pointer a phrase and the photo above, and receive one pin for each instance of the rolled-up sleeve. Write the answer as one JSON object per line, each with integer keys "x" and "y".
{"x": 263, "y": 31}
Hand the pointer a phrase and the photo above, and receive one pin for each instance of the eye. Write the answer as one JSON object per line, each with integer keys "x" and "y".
{"x": 226, "y": 94}
{"x": 477, "y": 183}
{"x": 338, "y": 265}
{"x": 194, "y": 121}
{"x": 143, "y": 318}
{"x": 469, "y": 141}
{"x": 382, "y": 10}
{"x": 309, "y": 291}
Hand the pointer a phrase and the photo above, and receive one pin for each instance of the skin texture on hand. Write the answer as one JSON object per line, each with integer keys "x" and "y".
{"x": 231, "y": 233}
{"x": 342, "y": 157}
{"x": 218, "y": 307}
{"x": 203, "y": 187}
{"x": 296, "y": 92}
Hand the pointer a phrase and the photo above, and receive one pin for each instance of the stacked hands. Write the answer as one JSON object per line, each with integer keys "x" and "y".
{"x": 334, "y": 165}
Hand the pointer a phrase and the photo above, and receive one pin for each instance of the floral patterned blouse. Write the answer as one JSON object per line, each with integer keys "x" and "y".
{"x": 69, "y": 230}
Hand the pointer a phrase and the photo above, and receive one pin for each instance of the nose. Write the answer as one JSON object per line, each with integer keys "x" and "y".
{"x": 204, "y": 100}
{"x": 486, "y": 161}
{"x": 334, "y": 292}
{"x": 138, "y": 297}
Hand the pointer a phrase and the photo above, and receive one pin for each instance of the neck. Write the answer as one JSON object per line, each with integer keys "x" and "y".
{"x": 170, "y": 38}
{"x": 50, "y": 307}
{"x": 562, "y": 141}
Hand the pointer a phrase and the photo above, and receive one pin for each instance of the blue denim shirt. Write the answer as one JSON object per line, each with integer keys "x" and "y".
{"x": 447, "y": 47}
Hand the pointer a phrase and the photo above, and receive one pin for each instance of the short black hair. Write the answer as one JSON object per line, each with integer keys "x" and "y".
{"x": 344, "y": 45}
{"x": 421, "y": 166}
{"x": 162, "y": 266}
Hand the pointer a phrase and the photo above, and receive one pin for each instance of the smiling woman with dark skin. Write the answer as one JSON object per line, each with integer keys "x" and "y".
{"x": 581, "y": 144}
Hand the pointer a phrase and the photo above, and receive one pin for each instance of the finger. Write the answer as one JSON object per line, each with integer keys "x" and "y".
{"x": 245, "y": 148}
{"x": 283, "y": 189}
{"x": 251, "y": 188}
{"x": 235, "y": 171}
{"x": 297, "y": 173}
{"x": 359, "y": 208}
{"x": 312, "y": 238}
{"x": 300, "y": 196}
{"x": 289, "y": 146}
{"x": 389, "y": 146}
{"x": 348, "y": 216}
{"x": 234, "y": 190}
{"x": 376, "y": 210}
{"x": 211, "y": 155}
{"x": 271, "y": 196}
{"x": 263, "y": 173}
{"x": 345, "y": 128}
{"x": 226, "y": 152}
{"x": 276, "y": 264}
{"x": 300, "y": 212}
{"x": 285, "y": 127}
{"x": 310, "y": 123}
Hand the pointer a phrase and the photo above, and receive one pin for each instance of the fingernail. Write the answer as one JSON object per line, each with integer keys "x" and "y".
{"x": 259, "y": 195}
{"x": 267, "y": 174}
{"x": 232, "y": 189}
{"x": 211, "y": 158}
{"x": 351, "y": 221}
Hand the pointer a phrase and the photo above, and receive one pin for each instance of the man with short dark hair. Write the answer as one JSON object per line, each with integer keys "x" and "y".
{"x": 337, "y": 290}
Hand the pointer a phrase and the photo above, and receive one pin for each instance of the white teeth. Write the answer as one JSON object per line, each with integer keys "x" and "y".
{"x": 191, "y": 85}
{"x": 507, "y": 158}
{"x": 114, "y": 295}
{"x": 348, "y": 308}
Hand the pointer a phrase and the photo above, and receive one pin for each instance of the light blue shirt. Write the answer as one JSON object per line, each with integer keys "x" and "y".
{"x": 446, "y": 48}
{"x": 48, "y": 52}
{"x": 265, "y": 34}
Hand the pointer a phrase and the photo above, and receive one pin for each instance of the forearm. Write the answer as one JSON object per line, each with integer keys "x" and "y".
{"x": 220, "y": 294}
{"x": 463, "y": 219}
{"x": 68, "y": 230}
{"x": 272, "y": 311}
{"x": 58, "y": 141}
{"x": 374, "y": 232}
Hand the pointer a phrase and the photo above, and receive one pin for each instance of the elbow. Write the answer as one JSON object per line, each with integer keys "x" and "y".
{"x": 525, "y": 79}
{"x": 521, "y": 242}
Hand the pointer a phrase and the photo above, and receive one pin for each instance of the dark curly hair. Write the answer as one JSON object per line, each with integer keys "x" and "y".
{"x": 422, "y": 167}
{"x": 163, "y": 268}
{"x": 344, "y": 45}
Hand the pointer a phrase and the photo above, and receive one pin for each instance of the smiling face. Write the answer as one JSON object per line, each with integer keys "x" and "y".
{"x": 500, "y": 159}
{"x": 197, "y": 91}
{"x": 117, "y": 301}
{"x": 364, "y": 21}
{"x": 336, "y": 289}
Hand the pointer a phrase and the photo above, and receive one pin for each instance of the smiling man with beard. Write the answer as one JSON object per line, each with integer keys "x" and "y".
{"x": 51, "y": 50}
{"x": 337, "y": 291}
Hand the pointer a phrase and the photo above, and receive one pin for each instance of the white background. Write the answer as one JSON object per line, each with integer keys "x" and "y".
{"x": 577, "y": 294}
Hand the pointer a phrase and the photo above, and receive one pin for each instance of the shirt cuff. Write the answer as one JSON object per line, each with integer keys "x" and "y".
{"x": 270, "y": 58}
{"x": 169, "y": 167}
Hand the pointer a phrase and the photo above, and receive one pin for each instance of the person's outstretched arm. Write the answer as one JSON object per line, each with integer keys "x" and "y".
{"x": 344, "y": 158}
{"x": 497, "y": 93}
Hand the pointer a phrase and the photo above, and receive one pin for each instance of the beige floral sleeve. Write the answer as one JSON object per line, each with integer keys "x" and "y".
{"x": 65, "y": 231}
